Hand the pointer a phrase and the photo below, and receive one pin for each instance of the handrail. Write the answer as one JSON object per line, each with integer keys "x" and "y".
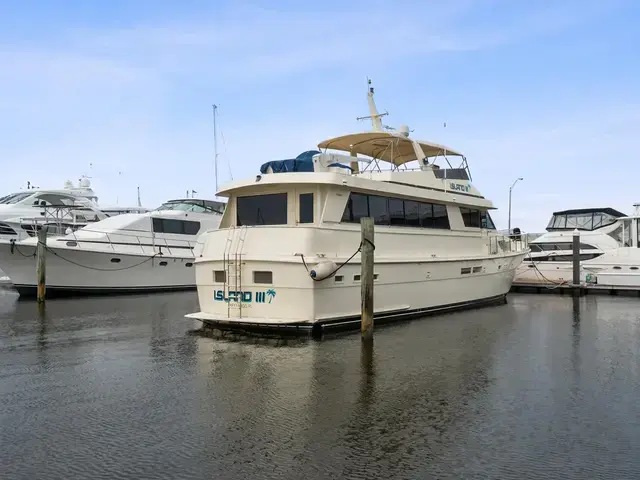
{"x": 164, "y": 245}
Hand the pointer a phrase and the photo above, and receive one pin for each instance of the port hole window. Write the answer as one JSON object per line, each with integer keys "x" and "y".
{"x": 219, "y": 276}
{"x": 262, "y": 209}
{"x": 305, "y": 207}
{"x": 263, "y": 277}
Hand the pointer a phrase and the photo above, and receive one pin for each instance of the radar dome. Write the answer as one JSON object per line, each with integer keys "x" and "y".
{"x": 404, "y": 130}
{"x": 85, "y": 183}
{"x": 68, "y": 185}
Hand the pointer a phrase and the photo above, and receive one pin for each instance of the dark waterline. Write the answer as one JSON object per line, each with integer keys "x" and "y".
{"x": 117, "y": 387}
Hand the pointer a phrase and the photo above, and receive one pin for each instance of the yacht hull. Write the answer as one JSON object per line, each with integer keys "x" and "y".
{"x": 84, "y": 272}
{"x": 401, "y": 290}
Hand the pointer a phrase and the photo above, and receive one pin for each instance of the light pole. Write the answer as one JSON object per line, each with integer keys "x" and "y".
{"x": 510, "y": 190}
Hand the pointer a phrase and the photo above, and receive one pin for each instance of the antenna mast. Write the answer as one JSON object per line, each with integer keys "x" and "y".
{"x": 139, "y": 203}
{"x": 215, "y": 144}
{"x": 373, "y": 111}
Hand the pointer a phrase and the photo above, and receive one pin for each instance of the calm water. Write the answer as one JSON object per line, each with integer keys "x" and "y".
{"x": 117, "y": 388}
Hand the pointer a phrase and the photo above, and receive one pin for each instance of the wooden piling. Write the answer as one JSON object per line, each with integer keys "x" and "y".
{"x": 366, "y": 277}
{"x": 576, "y": 263}
{"x": 41, "y": 262}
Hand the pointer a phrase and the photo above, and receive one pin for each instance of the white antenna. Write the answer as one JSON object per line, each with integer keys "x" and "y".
{"x": 215, "y": 144}
{"x": 139, "y": 203}
{"x": 373, "y": 111}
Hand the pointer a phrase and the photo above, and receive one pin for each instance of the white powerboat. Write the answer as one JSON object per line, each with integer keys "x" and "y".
{"x": 287, "y": 250}
{"x": 609, "y": 253}
{"x": 126, "y": 253}
{"x": 25, "y": 212}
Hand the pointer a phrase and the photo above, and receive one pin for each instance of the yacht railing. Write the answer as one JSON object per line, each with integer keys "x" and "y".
{"x": 499, "y": 244}
{"x": 135, "y": 243}
{"x": 58, "y": 218}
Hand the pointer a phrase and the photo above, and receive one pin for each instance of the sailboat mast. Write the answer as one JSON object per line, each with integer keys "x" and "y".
{"x": 215, "y": 144}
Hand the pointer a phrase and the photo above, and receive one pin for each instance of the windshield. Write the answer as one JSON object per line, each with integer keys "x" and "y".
{"x": 197, "y": 206}
{"x": 581, "y": 221}
{"x": 15, "y": 197}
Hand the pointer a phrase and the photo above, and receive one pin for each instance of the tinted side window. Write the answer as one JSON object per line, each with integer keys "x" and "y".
{"x": 440, "y": 217}
{"x": 180, "y": 227}
{"x": 171, "y": 226}
{"x": 396, "y": 211}
{"x": 470, "y": 217}
{"x": 262, "y": 209}
{"x": 426, "y": 215}
{"x": 359, "y": 207}
{"x": 306, "y": 207}
{"x": 486, "y": 221}
{"x": 190, "y": 227}
{"x": 412, "y": 213}
{"x": 379, "y": 210}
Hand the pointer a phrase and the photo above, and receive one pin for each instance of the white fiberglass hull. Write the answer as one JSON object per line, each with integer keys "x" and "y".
{"x": 84, "y": 271}
{"x": 401, "y": 289}
{"x": 606, "y": 273}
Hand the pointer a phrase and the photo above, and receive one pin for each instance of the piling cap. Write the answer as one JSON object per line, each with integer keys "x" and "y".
{"x": 576, "y": 232}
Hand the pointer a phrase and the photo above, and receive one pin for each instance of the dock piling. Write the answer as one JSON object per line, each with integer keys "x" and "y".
{"x": 41, "y": 262}
{"x": 576, "y": 263}
{"x": 366, "y": 277}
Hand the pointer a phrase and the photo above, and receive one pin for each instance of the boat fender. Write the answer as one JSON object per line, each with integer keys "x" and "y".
{"x": 323, "y": 269}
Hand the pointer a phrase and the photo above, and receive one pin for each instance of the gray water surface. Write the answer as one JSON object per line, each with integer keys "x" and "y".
{"x": 118, "y": 388}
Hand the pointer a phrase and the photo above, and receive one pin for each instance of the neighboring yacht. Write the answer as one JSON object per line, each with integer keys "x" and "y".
{"x": 23, "y": 213}
{"x": 129, "y": 252}
{"x": 287, "y": 250}
{"x": 609, "y": 253}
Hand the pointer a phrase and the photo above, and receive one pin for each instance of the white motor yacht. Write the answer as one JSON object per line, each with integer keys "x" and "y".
{"x": 25, "y": 212}
{"x": 130, "y": 252}
{"x": 287, "y": 250}
{"x": 609, "y": 253}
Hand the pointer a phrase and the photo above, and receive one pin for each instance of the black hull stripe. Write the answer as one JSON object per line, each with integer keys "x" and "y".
{"x": 30, "y": 291}
{"x": 350, "y": 323}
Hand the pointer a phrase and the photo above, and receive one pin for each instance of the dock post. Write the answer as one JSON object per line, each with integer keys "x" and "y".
{"x": 366, "y": 277}
{"x": 41, "y": 263}
{"x": 576, "y": 263}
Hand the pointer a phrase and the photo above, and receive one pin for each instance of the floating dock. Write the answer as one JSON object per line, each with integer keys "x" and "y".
{"x": 570, "y": 288}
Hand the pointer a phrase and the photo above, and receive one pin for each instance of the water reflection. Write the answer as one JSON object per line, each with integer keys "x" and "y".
{"x": 543, "y": 387}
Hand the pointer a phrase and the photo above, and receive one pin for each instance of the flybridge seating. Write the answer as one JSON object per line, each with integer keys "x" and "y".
{"x": 305, "y": 162}
{"x": 393, "y": 149}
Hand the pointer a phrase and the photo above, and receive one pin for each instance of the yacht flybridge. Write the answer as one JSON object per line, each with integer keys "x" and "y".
{"x": 287, "y": 248}
{"x": 23, "y": 213}
{"x": 609, "y": 249}
{"x": 131, "y": 252}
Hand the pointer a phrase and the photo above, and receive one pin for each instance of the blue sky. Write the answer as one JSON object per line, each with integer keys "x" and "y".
{"x": 545, "y": 90}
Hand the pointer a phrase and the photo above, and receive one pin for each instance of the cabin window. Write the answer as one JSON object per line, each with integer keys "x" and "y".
{"x": 426, "y": 215}
{"x": 471, "y": 217}
{"x": 395, "y": 211}
{"x": 476, "y": 218}
{"x": 539, "y": 247}
{"x": 565, "y": 258}
{"x": 263, "y": 277}
{"x": 486, "y": 221}
{"x": 440, "y": 217}
{"x": 412, "y": 213}
{"x": 360, "y": 207}
{"x": 305, "y": 201}
{"x": 262, "y": 209}
{"x": 181, "y": 227}
{"x": 378, "y": 210}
